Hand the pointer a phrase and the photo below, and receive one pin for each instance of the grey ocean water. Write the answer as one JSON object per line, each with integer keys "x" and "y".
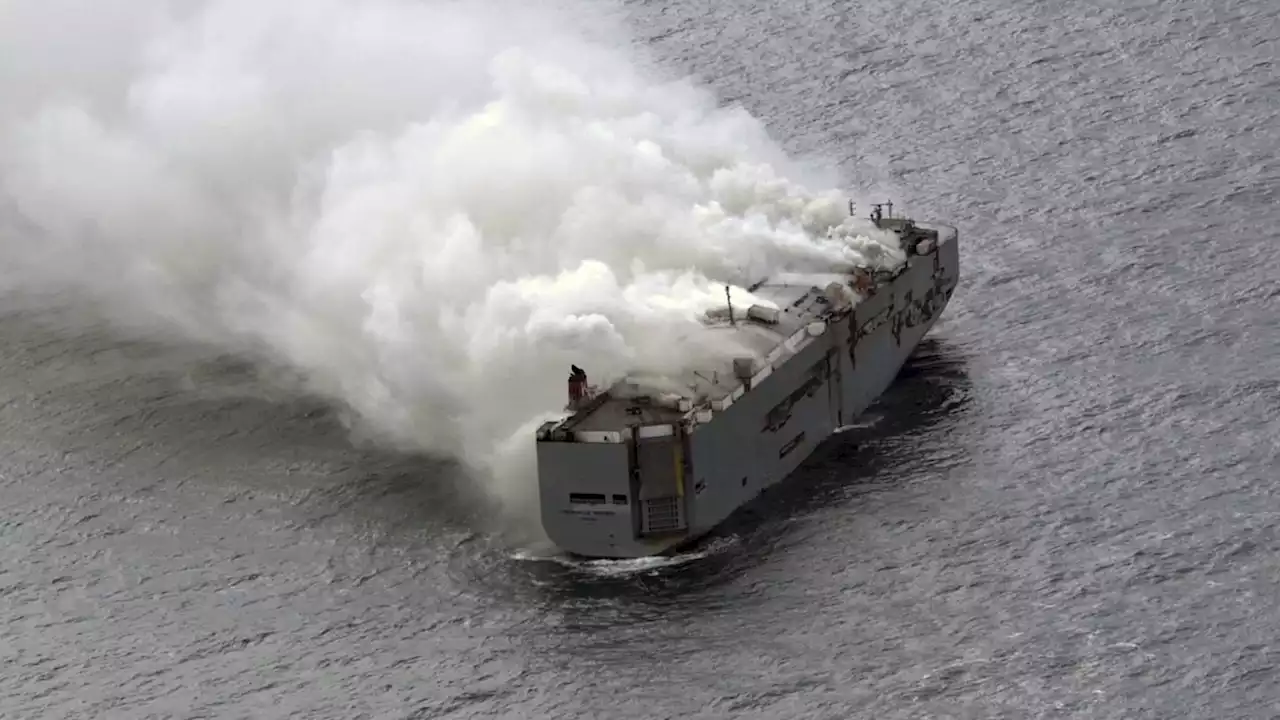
{"x": 1067, "y": 507}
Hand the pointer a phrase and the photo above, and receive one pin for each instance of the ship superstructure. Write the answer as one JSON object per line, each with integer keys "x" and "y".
{"x": 635, "y": 472}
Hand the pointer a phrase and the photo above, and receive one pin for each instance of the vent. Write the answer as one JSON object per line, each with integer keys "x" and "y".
{"x": 662, "y": 515}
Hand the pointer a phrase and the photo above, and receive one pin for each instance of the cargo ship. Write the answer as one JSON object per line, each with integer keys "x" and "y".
{"x": 632, "y": 472}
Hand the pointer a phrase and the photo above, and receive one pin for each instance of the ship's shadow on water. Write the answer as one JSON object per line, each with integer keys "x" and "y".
{"x": 932, "y": 390}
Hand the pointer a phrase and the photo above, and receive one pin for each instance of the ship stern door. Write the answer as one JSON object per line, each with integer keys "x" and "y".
{"x": 660, "y": 463}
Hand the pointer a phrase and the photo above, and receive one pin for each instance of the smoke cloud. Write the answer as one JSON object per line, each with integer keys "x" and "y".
{"x": 428, "y": 210}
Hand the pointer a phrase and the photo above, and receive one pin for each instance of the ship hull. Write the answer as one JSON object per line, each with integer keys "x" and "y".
{"x": 757, "y": 442}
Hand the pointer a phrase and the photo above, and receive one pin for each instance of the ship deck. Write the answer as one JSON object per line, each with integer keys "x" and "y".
{"x": 800, "y": 300}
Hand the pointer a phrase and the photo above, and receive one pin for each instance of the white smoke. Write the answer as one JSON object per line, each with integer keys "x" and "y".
{"x": 428, "y": 209}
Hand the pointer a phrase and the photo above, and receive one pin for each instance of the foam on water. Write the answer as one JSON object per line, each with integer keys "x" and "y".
{"x": 633, "y": 566}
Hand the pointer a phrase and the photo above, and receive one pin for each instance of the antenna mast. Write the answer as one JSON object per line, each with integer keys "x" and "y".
{"x": 729, "y": 299}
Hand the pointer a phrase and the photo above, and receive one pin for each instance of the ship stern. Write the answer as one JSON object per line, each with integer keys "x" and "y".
{"x": 619, "y": 495}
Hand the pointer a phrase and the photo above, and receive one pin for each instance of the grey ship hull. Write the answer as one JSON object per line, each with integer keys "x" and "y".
{"x": 646, "y": 497}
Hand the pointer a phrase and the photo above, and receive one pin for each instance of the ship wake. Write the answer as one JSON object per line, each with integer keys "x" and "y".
{"x": 606, "y": 568}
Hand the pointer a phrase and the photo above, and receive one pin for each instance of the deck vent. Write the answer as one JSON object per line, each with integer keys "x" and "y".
{"x": 662, "y": 515}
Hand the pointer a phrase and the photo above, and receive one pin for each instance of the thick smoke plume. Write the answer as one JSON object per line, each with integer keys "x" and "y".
{"x": 428, "y": 210}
